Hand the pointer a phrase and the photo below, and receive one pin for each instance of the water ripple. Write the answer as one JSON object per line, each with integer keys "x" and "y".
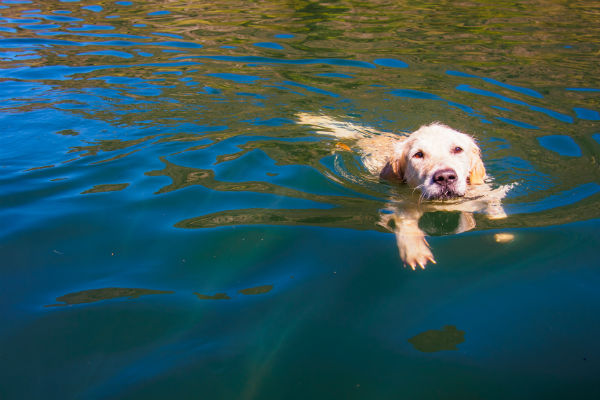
{"x": 156, "y": 145}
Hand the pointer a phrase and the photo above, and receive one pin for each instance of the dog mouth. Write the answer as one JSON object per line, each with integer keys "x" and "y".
{"x": 447, "y": 196}
{"x": 438, "y": 192}
{"x": 444, "y": 195}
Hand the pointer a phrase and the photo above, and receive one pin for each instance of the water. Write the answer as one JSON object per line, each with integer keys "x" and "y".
{"x": 169, "y": 231}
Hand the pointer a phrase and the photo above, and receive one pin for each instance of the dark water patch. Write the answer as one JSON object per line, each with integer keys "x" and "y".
{"x": 110, "y": 187}
{"x": 38, "y": 168}
{"x": 256, "y": 290}
{"x": 217, "y": 296}
{"x": 344, "y": 218}
{"x": 95, "y": 295}
{"x": 448, "y": 338}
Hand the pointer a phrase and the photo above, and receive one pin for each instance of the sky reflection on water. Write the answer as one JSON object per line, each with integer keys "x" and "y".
{"x": 152, "y": 148}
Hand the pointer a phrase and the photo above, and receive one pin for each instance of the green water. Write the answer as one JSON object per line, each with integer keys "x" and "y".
{"x": 169, "y": 231}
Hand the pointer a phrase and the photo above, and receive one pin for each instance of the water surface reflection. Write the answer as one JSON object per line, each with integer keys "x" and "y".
{"x": 126, "y": 123}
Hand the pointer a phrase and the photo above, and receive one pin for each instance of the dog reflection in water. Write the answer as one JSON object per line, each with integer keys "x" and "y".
{"x": 443, "y": 164}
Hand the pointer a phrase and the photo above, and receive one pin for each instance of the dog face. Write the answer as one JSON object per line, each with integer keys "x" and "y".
{"x": 439, "y": 161}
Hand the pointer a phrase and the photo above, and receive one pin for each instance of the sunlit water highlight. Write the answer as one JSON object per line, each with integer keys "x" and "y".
{"x": 168, "y": 229}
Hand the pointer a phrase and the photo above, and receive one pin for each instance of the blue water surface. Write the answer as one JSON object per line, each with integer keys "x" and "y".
{"x": 187, "y": 211}
{"x": 562, "y": 144}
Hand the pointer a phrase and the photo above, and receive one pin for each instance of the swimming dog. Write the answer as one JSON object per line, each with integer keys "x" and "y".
{"x": 444, "y": 164}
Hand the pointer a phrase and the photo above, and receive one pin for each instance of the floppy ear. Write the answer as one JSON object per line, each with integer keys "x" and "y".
{"x": 477, "y": 171}
{"x": 398, "y": 165}
{"x": 398, "y": 162}
{"x": 393, "y": 170}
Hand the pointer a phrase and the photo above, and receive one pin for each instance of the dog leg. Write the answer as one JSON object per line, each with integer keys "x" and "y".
{"x": 494, "y": 209}
{"x": 410, "y": 239}
{"x": 466, "y": 222}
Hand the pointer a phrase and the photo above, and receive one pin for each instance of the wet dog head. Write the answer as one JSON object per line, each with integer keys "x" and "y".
{"x": 439, "y": 161}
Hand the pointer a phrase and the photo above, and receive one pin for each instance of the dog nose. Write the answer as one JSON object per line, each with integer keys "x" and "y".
{"x": 445, "y": 177}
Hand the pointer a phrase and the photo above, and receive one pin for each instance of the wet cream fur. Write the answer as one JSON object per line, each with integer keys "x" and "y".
{"x": 439, "y": 148}
{"x": 415, "y": 159}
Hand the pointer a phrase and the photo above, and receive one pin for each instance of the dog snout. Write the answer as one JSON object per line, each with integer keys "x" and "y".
{"x": 444, "y": 177}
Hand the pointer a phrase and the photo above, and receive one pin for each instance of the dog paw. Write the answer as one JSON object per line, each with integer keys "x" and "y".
{"x": 416, "y": 252}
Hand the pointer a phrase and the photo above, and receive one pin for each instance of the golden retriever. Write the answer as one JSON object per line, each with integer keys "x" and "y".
{"x": 444, "y": 164}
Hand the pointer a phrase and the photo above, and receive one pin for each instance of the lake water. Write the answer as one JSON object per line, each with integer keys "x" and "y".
{"x": 168, "y": 229}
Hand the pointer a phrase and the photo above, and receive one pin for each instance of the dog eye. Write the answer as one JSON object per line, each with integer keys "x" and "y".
{"x": 418, "y": 154}
{"x": 457, "y": 150}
